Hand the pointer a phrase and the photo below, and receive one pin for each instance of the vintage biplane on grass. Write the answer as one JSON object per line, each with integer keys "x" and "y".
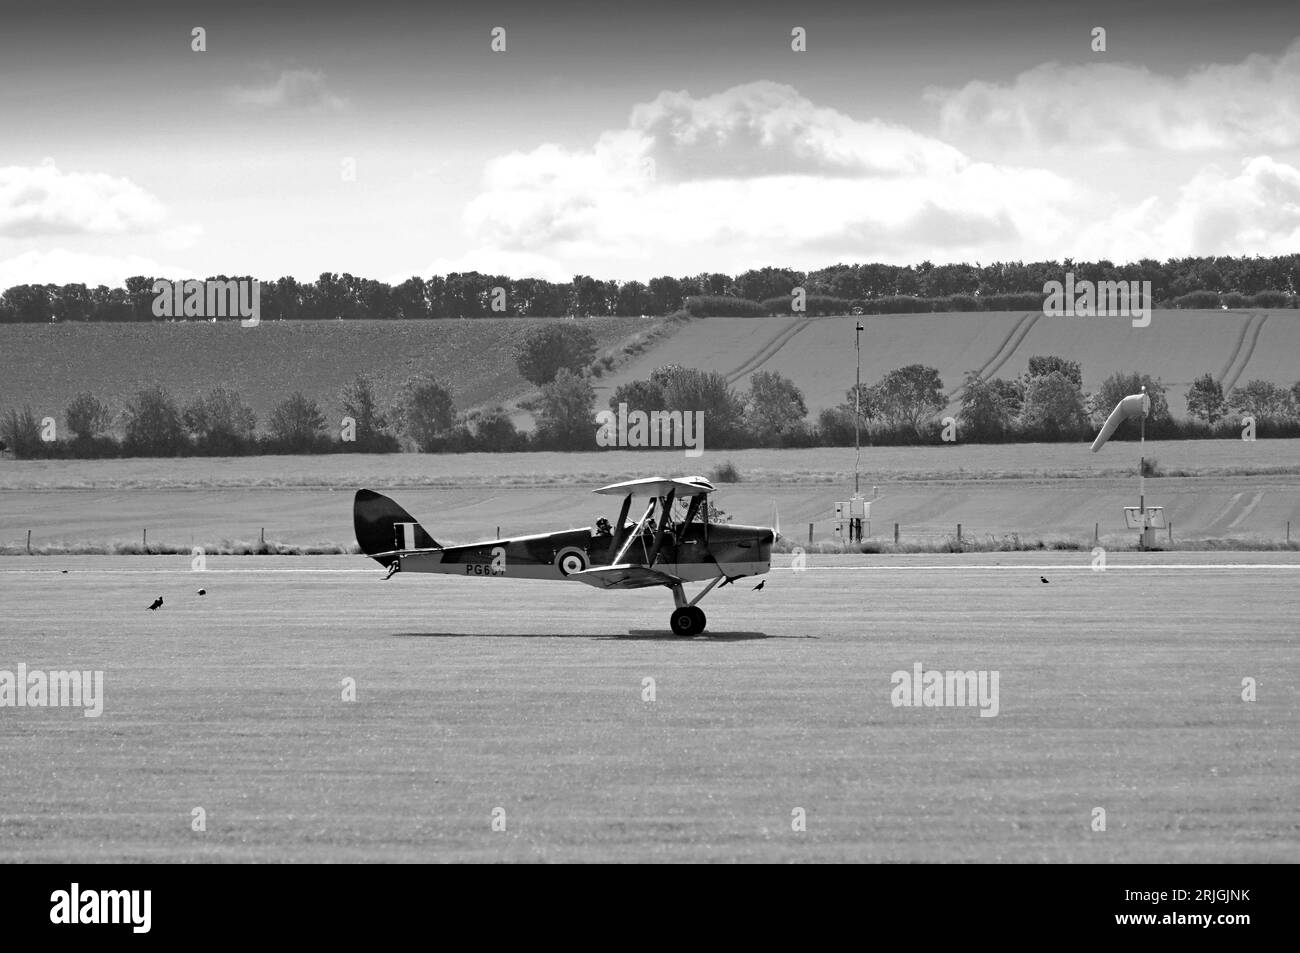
{"x": 670, "y": 544}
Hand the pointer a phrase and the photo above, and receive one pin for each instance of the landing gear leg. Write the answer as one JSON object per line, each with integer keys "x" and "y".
{"x": 688, "y": 619}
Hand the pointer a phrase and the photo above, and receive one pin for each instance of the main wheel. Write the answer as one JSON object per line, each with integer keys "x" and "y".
{"x": 687, "y": 622}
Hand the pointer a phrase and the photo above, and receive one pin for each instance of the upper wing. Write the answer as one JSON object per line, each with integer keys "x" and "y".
{"x": 623, "y": 576}
{"x": 659, "y": 486}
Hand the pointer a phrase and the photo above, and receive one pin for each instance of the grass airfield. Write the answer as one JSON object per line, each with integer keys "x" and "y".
{"x": 1118, "y": 689}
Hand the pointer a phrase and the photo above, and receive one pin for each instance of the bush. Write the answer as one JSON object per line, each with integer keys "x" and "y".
{"x": 428, "y": 412}
{"x": 813, "y": 304}
{"x": 222, "y": 424}
{"x": 725, "y": 473}
{"x": 21, "y": 433}
{"x": 1271, "y": 299}
{"x": 296, "y": 425}
{"x": 723, "y": 306}
{"x": 1198, "y": 300}
{"x": 153, "y": 425}
{"x": 558, "y": 346}
{"x": 359, "y": 402}
{"x": 565, "y": 420}
{"x": 86, "y": 416}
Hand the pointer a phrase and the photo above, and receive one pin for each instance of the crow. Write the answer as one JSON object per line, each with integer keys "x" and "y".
{"x": 203, "y": 592}
{"x": 156, "y": 603}
{"x": 1043, "y": 578}
{"x": 760, "y": 585}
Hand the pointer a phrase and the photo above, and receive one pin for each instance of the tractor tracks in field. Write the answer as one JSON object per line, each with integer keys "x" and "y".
{"x": 1010, "y": 344}
{"x": 769, "y": 349}
{"x": 1243, "y": 352}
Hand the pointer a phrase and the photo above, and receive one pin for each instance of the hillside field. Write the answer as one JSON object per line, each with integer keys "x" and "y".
{"x": 817, "y": 353}
{"x": 46, "y": 365}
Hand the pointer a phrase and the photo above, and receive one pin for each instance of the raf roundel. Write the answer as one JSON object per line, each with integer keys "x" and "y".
{"x": 570, "y": 560}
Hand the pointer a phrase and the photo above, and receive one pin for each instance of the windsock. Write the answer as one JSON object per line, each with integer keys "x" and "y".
{"x": 1135, "y": 405}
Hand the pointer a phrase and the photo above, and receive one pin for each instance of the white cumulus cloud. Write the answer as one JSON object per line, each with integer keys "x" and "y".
{"x": 44, "y": 200}
{"x": 1121, "y": 107}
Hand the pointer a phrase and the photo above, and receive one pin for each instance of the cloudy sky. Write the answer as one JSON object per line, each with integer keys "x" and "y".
{"x": 387, "y": 141}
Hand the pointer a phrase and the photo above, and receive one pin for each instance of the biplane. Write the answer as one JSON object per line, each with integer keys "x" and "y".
{"x": 672, "y": 543}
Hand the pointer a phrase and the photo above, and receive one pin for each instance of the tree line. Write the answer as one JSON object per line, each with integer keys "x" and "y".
{"x": 843, "y": 288}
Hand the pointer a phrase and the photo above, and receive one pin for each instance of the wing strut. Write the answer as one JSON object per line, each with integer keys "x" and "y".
{"x": 663, "y": 526}
{"x": 619, "y": 528}
{"x": 635, "y": 532}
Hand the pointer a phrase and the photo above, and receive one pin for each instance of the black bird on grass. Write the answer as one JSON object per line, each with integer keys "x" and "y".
{"x": 1043, "y": 578}
{"x": 203, "y": 592}
{"x": 157, "y": 603}
{"x": 760, "y": 585}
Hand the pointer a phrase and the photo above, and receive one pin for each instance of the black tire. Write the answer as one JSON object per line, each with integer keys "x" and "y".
{"x": 685, "y": 622}
{"x": 700, "y": 620}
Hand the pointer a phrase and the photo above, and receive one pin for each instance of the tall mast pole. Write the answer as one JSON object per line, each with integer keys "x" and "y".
{"x": 1142, "y": 468}
{"x": 857, "y": 406}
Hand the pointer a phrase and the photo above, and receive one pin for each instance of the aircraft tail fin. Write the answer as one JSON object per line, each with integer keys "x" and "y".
{"x": 383, "y": 527}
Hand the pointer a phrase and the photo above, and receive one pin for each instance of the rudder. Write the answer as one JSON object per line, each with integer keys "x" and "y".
{"x": 382, "y": 526}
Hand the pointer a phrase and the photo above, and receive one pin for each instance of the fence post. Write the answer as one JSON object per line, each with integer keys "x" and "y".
{"x": 1096, "y": 533}
{"x": 29, "y": 538}
{"x": 959, "y": 534}
{"x": 895, "y": 534}
{"x": 1171, "y": 532}
{"x": 144, "y": 538}
{"x": 1288, "y": 533}
{"x": 810, "y": 527}
{"x": 262, "y": 536}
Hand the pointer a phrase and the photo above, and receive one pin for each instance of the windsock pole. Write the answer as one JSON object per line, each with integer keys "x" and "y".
{"x": 1142, "y": 470}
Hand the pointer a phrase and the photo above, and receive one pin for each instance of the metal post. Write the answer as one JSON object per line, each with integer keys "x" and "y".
{"x": 895, "y": 534}
{"x": 263, "y": 536}
{"x": 810, "y": 526}
{"x": 1096, "y": 533}
{"x": 857, "y": 404}
{"x": 29, "y": 538}
{"x": 144, "y": 538}
{"x": 959, "y": 534}
{"x": 1142, "y": 472}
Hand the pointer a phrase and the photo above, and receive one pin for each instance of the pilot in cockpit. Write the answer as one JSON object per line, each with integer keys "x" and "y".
{"x": 602, "y": 527}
